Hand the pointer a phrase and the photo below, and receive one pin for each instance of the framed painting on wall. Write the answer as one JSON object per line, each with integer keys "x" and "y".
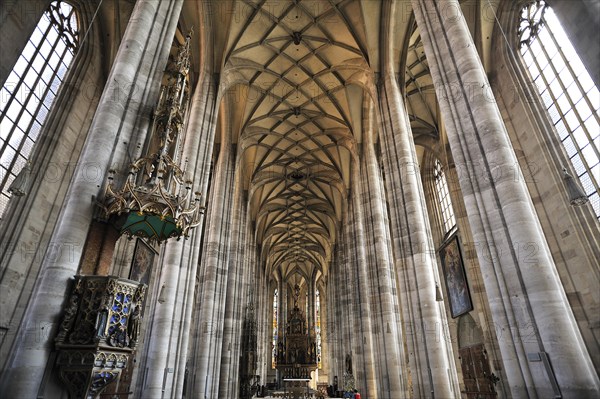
{"x": 141, "y": 264}
{"x": 457, "y": 288}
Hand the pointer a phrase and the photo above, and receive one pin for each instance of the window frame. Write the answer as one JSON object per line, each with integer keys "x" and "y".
{"x": 38, "y": 102}
{"x": 441, "y": 188}
{"x": 553, "y": 115}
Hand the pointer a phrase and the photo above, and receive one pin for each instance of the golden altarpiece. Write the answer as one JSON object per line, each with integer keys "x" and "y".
{"x": 297, "y": 350}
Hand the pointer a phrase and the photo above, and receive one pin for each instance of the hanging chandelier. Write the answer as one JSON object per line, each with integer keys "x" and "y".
{"x": 155, "y": 201}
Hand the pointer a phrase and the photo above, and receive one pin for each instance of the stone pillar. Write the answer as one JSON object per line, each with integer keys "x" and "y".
{"x": 359, "y": 290}
{"x": 172, "y": 319}
{"x": 384, "y": 305}
{"x": 324, "y": 314}
{"x": 245, "y": 295}
{"x": 332, "y": 323}
{"x": 344, "y": 307}
{"x": 131, "y": 90}
{"x": 280, "y": 304}
{"x": 236, "y": 300}
{"x": 528, "y": 303}
{"x": 264, "y": 289}
{"x": 412, "y": 243}
{"x": 310, "y": 317}
{"x": 284, "y": 303}
{"x": 336, "y": 320}
{"x": 347, "y": 306}
{"x": 215, "y": 263}
{"x": 281, "y": 312}
{"x": 264, "y": 318}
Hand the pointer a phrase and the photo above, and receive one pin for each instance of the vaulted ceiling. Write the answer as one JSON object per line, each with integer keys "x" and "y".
{"x": 296, "y": 77}
{"x": 297, "y": 69}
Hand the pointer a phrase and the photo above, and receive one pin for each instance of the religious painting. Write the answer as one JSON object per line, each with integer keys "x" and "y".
{"x": 141, "y": 265}
{"x": 456, "y": 280}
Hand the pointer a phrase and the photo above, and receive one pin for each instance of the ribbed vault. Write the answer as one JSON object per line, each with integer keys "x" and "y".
{"x": 421, "y": 101}
{"x": 296, "y": 71}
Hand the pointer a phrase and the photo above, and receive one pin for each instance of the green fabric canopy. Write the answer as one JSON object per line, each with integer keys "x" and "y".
{"x": 148, "y": 225}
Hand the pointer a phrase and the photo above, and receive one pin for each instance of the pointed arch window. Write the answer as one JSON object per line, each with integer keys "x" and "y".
{"x": 443, "y": 195}
{"x": 567, "y": 90}
{"x": 31, "y": 88}
{"x": 275, "y": 329}
{"x": 318, "y": 328}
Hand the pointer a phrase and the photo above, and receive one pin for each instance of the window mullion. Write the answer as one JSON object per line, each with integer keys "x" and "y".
{"x": 569, "y": 99}
{"x": 35, "y": 65}
{"x": 437, "y": 207}
{"x": 42, "y": 97}
{"x": 15, "y": 93}
{"x": 27, "y": 68}
{"x": 34, "y": 114}
{"x": 578, "y": 149}
{"x": 543, "y": 77}
{"x": 571, "y": 71}
{"x": 566, "y": 106}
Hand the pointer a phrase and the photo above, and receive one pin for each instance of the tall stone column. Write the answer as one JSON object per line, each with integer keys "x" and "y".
{"x": 131, "y": 90}
{"x": 535, "y": 325}
{"x": 171, "y": 322}
{"x": 384, "y": 303}
{"x": 323, "y": 315}
{"x": 311, "y": 303}
{"x": 264, "y": 336}
{"x": 280, "y": 305}
{"x": 411, "y": 239}
{"x": 237, "y": 298}
{"x": 215, "y": 260}
{"x": 280, "y": 312}
{"x": 359, "y": 290}
{"x": 336, "y": 320}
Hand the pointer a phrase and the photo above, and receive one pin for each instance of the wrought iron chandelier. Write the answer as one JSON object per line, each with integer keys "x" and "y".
{"x": 155, "y": 201}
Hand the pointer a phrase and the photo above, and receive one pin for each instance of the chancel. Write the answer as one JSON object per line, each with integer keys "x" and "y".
{"x": 296, "y": 357}
{"x": 232, "y": 199}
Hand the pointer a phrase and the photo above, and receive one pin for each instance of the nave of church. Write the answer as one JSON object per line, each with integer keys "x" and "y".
{"x": 230, "y": 199}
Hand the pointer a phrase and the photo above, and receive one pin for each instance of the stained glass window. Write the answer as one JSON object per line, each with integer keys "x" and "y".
{"x": 31, "y": 87}
{"x": 567, "y": 92}
{"x": 318, "y": 328}
{"x": 275, "y": 330}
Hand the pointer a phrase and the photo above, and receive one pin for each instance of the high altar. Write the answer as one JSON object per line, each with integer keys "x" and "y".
{"x": 297, "y": 352}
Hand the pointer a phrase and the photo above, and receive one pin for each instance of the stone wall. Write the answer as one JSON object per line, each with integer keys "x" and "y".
{"x": 29, "y": 221}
